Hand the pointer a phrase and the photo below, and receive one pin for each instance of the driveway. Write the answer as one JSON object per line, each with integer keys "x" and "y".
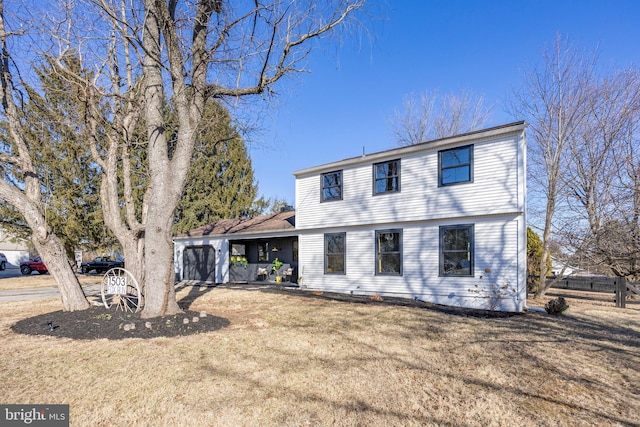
{"x": 41, "y": 293}
{"x": 10, "y": 272}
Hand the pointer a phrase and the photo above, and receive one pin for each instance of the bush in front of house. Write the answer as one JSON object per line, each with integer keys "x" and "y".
{"x": 556, "y": 306}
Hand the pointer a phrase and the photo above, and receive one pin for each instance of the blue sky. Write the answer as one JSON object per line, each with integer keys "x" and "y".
{"x": 347, "y": 100}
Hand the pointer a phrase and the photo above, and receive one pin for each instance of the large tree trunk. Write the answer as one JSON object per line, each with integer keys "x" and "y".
{"x": 166, "y": 176}
{"x": 55, "y": 258}
{"x": 160, "y": 297}
{"x": 47, "y": 244}
{"x": 133, "y": 249}
{"x": 546, "y": 235}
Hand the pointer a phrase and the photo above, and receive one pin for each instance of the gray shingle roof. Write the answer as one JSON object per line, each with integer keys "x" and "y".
{"x": 275, "y": 222}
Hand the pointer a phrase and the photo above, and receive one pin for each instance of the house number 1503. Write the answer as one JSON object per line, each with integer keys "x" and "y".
{"x": 117, "y": 285}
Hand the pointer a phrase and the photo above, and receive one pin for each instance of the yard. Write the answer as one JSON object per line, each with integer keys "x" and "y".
{"x": 292, "y": 359}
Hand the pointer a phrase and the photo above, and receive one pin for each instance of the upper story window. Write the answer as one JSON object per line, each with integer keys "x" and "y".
{"x": 456, "y": 250}
{"x": 386, "y": 177}
{"x": 331, "y": 186}
{"x": 334, "y": 253}
{"x": 455, "y": 165}
{"x": 389, "y": 252}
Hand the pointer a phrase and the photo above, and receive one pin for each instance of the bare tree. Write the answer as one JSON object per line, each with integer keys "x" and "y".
{"x": 603, "y": 176}
{"x": 158, "y": 53}
{"x": 22, "y": 185}
{"x": 431, "y": 116}
{"x": 554, "y": 101}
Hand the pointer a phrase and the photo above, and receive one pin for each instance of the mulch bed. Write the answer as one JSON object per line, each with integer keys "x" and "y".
{"x": 99, "y": 322}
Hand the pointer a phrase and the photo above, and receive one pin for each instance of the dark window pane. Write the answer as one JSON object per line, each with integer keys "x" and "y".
{"x": 389, "y": 263}
{"x": 387, "y": 176}
{"x": 389, "y": 242}
{"x": 331, "y": 193}
{"x": 456, "y": 250}
{"x": 457, "y": 263}
{"x": 456, "y": 239}
{"x": 334, "y": 247}
{"x": 385, "y": 185}
{"x": 263, "y": 253}
{"x": 455, "y": 165}
{"x": 335, "y": 244}
{"x": 332, "y": 186}
{"x": 456, "y": 157}
{"x": 335, "y": 264}
{"x": 389, "y": 252}
{"x": 331, "y": 180}
{"x": 459, "y": 174}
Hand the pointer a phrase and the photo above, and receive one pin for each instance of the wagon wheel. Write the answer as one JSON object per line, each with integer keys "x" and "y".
{"x": 121, "y": 289}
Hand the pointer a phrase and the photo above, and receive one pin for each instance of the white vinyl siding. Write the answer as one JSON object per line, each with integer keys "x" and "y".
{"x": 495, "y": 189}
{"x": 495, "y": 262}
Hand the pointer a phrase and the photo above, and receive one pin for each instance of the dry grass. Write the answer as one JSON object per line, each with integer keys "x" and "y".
{"x": 291, "y": 360}
{"x": 42, "y": 281}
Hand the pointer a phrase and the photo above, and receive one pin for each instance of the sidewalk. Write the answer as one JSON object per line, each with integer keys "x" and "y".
{"x": 41, "y": 293}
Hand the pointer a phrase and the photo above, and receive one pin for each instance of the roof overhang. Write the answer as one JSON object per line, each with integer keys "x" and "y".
{"x": 417, "y": 148}
{"x": 268, "y": 234}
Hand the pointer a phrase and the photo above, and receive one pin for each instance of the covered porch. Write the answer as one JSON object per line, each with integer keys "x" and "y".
{"x": 244, "y": 250}
{"x": 264, "y": 260}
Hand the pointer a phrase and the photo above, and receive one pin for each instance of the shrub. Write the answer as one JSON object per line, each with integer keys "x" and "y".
{"x": 556, "y": 306}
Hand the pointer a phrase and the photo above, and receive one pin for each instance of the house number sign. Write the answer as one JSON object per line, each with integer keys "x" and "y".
{"x": 117, "y": 285}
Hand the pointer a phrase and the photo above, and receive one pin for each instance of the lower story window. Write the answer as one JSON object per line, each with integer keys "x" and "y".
{"x": 335, "y": 251}
{"x": 456, "y": 250}
{"x": 263, "y": 252}
{"x": 389, "y": 252}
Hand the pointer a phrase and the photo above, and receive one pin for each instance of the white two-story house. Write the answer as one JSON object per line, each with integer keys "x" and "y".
{"x": 443, "y": 221}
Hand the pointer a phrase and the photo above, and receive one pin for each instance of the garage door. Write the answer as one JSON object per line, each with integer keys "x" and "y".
{"x": 199, "y": 263}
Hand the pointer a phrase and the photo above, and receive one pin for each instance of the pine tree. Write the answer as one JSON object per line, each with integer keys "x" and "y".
{"x": 221, "y": 183}
{"x": 56, "y": 134}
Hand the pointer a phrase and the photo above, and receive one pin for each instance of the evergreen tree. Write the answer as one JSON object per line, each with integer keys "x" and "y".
{"x": 266, "y": 206}
{"x": 220, "y": 183}
{"x": 534, "y": 256}
{"x": 534, "y": 253}
{"x": 63, "y": 162}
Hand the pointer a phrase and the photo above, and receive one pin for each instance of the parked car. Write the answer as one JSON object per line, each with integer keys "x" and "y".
{"x": 3, "y": 261}
{"x": 36, "y": 264}
{"x": 100, "y": 264}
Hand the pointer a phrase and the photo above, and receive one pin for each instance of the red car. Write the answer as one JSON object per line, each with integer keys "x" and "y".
{"x": 36, "y": 264}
